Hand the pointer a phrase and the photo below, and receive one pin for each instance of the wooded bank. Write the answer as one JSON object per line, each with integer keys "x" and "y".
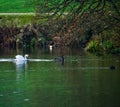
{"x": 83, "y": 33}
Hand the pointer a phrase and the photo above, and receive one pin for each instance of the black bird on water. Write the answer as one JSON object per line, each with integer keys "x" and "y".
{"x": 60, "y": 59}
{"x": 112, "y": 67}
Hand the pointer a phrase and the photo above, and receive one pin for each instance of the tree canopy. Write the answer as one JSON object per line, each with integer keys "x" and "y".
{"x": 79, "y": 20}
{"x": 74, "y": 6}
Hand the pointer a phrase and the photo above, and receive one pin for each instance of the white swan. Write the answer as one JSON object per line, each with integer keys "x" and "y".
{"x": 20, "y": 59}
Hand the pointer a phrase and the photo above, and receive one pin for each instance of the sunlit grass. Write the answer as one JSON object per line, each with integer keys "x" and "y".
{"x": 19, "y": 20}
{"x": 17, "y": 6}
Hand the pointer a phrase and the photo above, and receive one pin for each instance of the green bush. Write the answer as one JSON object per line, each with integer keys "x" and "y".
{"x": 33, "y": 42}
{"x": 107, "y": 46}
{"x": 93, "y": 46}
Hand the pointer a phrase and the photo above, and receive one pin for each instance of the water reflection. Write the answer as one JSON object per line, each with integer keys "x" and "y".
{"x": 21, "y": 83}
{"x": 21, "y": 66}
{"x": 21, "y": 72}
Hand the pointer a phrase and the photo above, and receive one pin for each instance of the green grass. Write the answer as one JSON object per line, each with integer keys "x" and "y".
{"x": 18, "y": 20}
{"x": 15, "y": 6}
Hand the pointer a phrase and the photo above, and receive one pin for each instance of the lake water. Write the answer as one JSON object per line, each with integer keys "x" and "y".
{"x": 84, "y": 80}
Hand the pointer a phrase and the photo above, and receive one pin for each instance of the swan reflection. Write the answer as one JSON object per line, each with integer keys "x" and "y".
{"x": 21, "y": 66}
{"x": 21, "y": 77}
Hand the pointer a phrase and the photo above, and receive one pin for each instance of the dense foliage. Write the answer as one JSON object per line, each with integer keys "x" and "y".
{"x": 84, "y": 21}
{"x": 92, "y": 24}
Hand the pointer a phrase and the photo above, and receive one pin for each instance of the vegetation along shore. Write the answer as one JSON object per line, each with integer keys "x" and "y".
{"x": 92, "y": 26}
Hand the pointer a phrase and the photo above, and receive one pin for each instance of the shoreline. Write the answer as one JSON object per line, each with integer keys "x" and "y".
{"x": 31, "y": 13}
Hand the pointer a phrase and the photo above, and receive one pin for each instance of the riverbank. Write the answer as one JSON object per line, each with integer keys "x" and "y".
{"x": 19, "y": 14}
{"x": 29, "y": 30}
{"x": 16, "y": 19}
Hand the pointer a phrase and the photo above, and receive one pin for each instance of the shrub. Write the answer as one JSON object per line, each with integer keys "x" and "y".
{"x": 93, "y": 46}
{"x": 107, "y": 46}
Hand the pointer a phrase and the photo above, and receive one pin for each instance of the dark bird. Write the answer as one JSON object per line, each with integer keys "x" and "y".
{"x": 60, "y": 59}
{"x": 112, "y": 67}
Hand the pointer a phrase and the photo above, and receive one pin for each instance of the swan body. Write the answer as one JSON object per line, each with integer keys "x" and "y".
{"x": 20, "y": 59}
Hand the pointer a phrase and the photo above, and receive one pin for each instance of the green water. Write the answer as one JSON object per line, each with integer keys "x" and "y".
{"x": 83, "y": 81}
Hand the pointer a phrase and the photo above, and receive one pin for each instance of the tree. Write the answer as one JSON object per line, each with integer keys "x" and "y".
{"x": 73, "y": 6}
{"x": 81, "y": 16}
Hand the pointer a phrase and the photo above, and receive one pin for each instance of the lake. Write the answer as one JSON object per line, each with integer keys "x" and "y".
{"x": 84, "y": 80}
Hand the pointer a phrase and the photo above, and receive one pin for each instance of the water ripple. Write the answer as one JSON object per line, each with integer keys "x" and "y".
{"x": 1, "y": 95}
{"x": 26, "y": 99}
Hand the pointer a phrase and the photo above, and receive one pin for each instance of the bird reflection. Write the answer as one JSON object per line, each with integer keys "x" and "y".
{"x": 20, "y": 78}
{"x": 21, "y": 67}
{"x": 21, "y": 71}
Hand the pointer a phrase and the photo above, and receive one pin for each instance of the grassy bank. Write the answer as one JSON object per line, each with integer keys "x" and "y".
{"x": 11, "y": 19}
{"x": 17, "y": 6}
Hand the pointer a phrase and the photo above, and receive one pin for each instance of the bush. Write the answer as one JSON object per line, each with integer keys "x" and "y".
{"x": 33, "y": 42}
{"x": 93, "y": 46}
{"x": 107, "y": 46}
